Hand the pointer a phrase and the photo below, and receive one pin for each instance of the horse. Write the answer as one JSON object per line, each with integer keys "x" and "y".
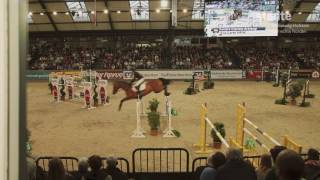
{"x": 156, "y": 86}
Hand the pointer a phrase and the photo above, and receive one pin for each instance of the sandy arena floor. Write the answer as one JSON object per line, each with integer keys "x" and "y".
{"x": 66, "y": 129}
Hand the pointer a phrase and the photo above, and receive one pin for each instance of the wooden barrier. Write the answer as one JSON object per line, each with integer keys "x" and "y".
{"x": 241, "y": 130}
{"x": 204, "y": 120}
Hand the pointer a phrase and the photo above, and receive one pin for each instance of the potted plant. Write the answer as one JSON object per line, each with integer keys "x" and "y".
{"x": 95, "y": 96}
{"x": 294, "y": 92}
{"x": 154, "y": 117}
{"x": 216, "y": 141}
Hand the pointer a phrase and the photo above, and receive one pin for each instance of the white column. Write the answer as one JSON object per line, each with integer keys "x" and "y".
{"x": 13, "y": 45}
{"x": 3, "y": 90}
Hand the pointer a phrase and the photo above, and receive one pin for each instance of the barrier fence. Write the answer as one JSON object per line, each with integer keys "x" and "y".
{"x": 241, "y": 131}
{"x": 204, "y": 120}
{"x": 152, "y": 163}
{"x": 71, "y": 163}
{"x": 146, "y": 160}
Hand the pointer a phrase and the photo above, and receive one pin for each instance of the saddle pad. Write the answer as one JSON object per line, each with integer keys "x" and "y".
{"x": 142, "y": 87}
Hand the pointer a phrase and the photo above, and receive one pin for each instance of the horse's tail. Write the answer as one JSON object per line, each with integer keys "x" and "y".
{"x": 165, "y": 82}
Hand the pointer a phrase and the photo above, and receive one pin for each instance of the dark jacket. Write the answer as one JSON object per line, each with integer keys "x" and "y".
{"x": 236, "y": 169}
{"x": 97, "y": 175}
{"x": 312, "y": 170}
{"x": 272, "y": 175}
{"x": 116, "y": 173}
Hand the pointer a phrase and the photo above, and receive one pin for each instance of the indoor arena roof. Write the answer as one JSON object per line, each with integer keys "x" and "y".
{"x": 75, "y": 15}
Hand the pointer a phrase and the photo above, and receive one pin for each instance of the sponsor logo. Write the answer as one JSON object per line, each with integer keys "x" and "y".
{"x": 315, "y": 74}
{"x": 127, "y": 75}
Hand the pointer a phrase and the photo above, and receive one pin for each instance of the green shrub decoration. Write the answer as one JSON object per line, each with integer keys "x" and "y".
{"x": 220, "y": 128}
{"x": 281, "y": 101}
{"x": 250, "y": 144}
{"x": 176, "y": 133}
{"x": 305, "y": 104}
{"x": 153, "y": 105}
{"x": 154, "y": 120}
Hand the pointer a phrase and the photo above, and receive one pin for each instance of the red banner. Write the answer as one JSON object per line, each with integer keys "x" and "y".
{"x": 253, "y": 74}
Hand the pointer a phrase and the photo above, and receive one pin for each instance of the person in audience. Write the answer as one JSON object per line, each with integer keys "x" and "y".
{"x": 271, "y": 175}
{"x": 57, "y": 171}
{"x": 289, "y": 165}
{"x": 112, "y": 169}
{"x": 96, "y": 173}
{"x": 83, "y": 172}
{"x": 264, "y": 166}
{"x": 235, "y": 167}
{"x": 312, "y": 165}
{"x": 214, "y": 162}
{"x": 31, "y": 168}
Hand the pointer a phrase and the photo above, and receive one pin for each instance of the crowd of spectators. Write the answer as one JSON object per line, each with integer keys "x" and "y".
{"x": 255, "y": 58}
{"x": 281, "y": 164}
{"x": 49, "y": 56}
{"x": 193, "y": 57}
{"x": 88, "y": 169}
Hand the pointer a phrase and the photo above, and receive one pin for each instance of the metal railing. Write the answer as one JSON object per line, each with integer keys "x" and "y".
{"x": 70, "y": 163}
{"x": 160, "y": 160}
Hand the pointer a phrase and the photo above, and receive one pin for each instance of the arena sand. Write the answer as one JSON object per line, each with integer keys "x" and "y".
{"x": 65, "y": 129}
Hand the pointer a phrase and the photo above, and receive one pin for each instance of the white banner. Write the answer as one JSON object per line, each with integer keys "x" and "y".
{"x": 187, "y": 74}
{"x": 227, "y": 74}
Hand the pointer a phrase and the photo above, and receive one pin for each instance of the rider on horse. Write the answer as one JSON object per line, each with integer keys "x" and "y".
{"x": 137, "y": 81}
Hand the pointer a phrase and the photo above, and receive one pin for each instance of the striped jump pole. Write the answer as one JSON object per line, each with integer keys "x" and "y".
{"x": 241, "y": 130}
{"x": 262, "y": 132}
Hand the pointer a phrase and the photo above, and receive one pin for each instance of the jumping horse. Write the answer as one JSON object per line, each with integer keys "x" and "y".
{"x": 155, "y": 86}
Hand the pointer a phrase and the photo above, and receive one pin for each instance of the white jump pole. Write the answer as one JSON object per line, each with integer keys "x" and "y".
{"x": 169, "y": 131}
{"x": 138, "y": 132}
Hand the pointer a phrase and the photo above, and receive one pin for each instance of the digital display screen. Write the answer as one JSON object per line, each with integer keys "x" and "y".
{"x": 236, "y": 18}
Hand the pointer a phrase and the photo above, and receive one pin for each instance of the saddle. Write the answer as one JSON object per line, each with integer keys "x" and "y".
{"x": 141, "y": 87}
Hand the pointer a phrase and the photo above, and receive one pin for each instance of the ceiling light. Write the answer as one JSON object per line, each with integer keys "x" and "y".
{"x": 92, "y": 12}
{"x": 287, "y": 12}
{"x": 67, "y": 13}
{"x": 157, "y": 10}
{"x": 185, "y": 10}
{"x": 30, "y": 13}
{"x": 118, "y": 11}
{"x": 41, "y": 13}
{"x": 299, "y": 13}
{"x": 106, "y": 11}
{"x": 55, "y": 13}
{"x": 164, "y": 3}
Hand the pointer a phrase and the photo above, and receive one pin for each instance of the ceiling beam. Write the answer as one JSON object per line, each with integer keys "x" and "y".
{"x": 106, "y": 3}
{"x": 59, "y": 1}
{"x": 159, "y": 21}
{"x": 44, "y": 7}
{"x": 101, "y": 33}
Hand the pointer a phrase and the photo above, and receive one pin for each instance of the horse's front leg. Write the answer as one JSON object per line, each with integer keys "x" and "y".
{"x": 123, "y": 100}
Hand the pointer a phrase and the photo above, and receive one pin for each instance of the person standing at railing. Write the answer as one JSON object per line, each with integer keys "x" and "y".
{"x": 264, "y": 166}
{"x": 214, "y": 162}
{"x": 236, "y": 168}
{"x": 312, "y": 165}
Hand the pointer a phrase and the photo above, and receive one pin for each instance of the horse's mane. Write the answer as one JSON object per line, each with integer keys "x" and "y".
{"x": 123, "y": 84}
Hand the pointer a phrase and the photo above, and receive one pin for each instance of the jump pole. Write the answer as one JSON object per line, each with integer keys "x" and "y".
{"x": 169, "y": 131}
{"x": 138, "y": 132}
{"x": 241, "y": 130}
